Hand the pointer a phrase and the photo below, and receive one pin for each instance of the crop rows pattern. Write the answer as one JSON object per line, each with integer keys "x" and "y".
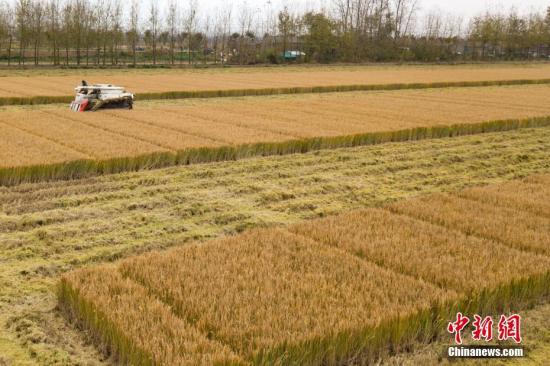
{"x": 53, "y": 143}
{"x": 62, "y": 82}
{"x": 49, "y": 228}
{"x": 325, "y": 291}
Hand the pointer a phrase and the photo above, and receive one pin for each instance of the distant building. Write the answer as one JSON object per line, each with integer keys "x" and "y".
{"x": 293, "y": 55}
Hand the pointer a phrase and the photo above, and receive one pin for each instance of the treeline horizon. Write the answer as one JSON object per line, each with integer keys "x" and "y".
{"x": 112, "y": 32}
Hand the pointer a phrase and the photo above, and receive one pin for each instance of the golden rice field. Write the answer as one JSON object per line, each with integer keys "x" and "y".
{"x": 62, "y": 82}
{"x": 341, "y": 215}
{"x": 47, "y": 229}
{"x": 46, "y": 135}
{"x": 329, "y": 291}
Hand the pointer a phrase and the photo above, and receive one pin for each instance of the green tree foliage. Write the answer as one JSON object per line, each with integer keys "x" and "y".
{"x": 320, "y": 41}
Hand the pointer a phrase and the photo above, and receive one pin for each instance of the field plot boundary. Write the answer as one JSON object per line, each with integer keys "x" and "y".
{"x": 197, "y": 94}
{"x": 362, "y": 343}
{"x": 78, "y": 169}
{"x": 398, "y": 334}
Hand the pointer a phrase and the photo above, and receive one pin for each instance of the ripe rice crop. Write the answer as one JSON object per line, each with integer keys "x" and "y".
{"x": 530, "y": 194}
{"x": 159, "y": 135}
{"x": 152, "y": 333}
{"x": 423, "y": 250}
{"x": 516, "y": 228}
{"x": 20, "y": 148}
{"x": 328, "y": 291}
{"x": 277, "y": 298}
{"x": 185, "y": 83}
{"x": 49, "y": 228}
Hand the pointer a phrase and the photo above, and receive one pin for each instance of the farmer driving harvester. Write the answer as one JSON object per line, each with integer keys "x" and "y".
{"x": 94, "y": 97}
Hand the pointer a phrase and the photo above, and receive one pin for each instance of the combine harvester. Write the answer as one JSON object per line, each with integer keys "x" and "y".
{"x": 94, "y": 97}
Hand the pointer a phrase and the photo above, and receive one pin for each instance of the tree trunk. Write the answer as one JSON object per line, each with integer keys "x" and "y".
{"x": 78, "y": 51}
{"x": 21, "y": 52}
{"x": 189, "y": 48}
{"x": 36, "y": 52}
{"x": 9, "y": 49}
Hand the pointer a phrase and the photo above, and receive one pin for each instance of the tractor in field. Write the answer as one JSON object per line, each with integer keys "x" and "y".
{"x": 97, "y": 96}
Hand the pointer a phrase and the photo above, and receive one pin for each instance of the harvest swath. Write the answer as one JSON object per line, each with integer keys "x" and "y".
{"x": 290, "y": 296}
{"x": 159, "y": 134}
{"x": 163, "y": 82}
{"x": 49, "y": 228}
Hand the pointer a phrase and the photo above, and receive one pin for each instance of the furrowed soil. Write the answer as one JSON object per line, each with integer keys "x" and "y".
{"x": 47, "y": 229}
{"x": 54, "y": 134}
{"x": 62, "y": 82}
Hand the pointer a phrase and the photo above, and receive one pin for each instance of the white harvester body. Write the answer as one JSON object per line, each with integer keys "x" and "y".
{"x": 94, "y": 97}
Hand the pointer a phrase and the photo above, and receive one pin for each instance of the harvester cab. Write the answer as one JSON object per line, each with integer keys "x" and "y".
{"x": 94, "y": 97}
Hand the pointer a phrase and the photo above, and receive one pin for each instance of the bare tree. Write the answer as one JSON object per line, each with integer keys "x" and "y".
{"x": 404, "y": 11}
{"x": 22, "y": 16}
{"x": 88, "y": 21}
{"x": 115, "y": 32}
{"x": 79, "y": 15}
{"x": 207, "y": 25}
{"x": 285, "y": 25}
{"x": 154, "y": 27}
{"x": 4, "y": 19}
{"x": 245, "y": 19}
{"x": 133, "y": 28}
{"x": 37, "y": 17}
{"x": 190, "y": 26}
{"x": 226, "y": 30}
{"x": 172, "y": 22}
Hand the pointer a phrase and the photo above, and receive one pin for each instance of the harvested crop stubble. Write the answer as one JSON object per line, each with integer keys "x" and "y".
{"x": 233, "y": 79}
{"x": 352, "y": 286}
{"x": 203, "y": 131}
{"x": 510, "y": 226}
{"x": 49, "y": 228}
{"x": 118, "y": 215}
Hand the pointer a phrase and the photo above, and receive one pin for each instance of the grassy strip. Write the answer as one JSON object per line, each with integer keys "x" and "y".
{"x": 193, "y": 94}
{"x": 86, "y": 168}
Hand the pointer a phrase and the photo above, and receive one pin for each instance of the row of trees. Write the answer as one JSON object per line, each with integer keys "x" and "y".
{"x": 110, "y": 32}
